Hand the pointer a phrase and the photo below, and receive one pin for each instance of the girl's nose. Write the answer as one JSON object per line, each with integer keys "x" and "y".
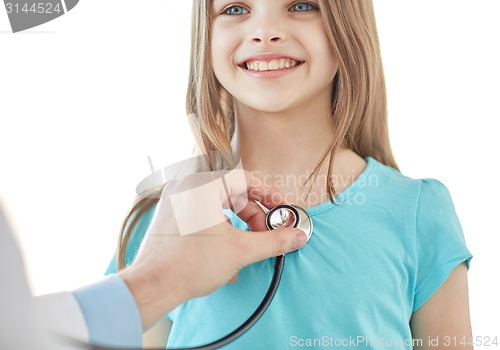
{"x": 264, "y": 39}
{"x": 267, "y": 30}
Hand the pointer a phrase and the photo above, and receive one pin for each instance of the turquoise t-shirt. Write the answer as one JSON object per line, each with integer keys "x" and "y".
{"x": 375, "y": 256}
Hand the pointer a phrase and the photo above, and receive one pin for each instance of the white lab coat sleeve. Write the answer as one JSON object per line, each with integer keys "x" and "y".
{"x": 61, "y": 314}
{"x": 21, "y": 327}
{"x": 102, "y": 313}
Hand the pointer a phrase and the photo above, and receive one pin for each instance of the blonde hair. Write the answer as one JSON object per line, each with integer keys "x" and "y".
{"x": 359, "y": 108}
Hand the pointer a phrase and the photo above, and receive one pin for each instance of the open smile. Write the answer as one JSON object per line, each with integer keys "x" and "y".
{"x": 270, "y": 65}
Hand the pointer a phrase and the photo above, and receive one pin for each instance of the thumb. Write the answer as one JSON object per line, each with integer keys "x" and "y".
{"x": 267, "y": 244}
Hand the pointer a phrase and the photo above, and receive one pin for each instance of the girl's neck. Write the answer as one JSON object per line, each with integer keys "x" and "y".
{"x": 286, "y": 147}
{"x": 281, "y": 142}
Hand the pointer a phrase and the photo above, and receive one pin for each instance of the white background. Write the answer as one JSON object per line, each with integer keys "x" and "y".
{"x": 86, "y": 98}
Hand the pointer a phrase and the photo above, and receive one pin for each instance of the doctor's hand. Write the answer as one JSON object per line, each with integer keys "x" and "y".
{"x": 191, "y": 249}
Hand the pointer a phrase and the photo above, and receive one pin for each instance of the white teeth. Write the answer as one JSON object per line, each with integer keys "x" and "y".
{"x": 273, "y": 65}
{"x": 277, "y": 64}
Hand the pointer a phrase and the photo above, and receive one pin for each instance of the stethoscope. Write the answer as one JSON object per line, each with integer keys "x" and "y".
{"x": 289, "y": 216}
{"x": 280, "y": 216}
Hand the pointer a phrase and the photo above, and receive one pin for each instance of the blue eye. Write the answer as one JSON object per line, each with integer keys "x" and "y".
{"x": 303, "y": 7}
{"x": 235, "y": 10}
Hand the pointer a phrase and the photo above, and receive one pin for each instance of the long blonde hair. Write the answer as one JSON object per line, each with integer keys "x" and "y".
{"x": 359, "y": 108}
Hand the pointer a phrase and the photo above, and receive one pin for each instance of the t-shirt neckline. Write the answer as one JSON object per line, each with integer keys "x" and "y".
{"x": 348, "y": 192}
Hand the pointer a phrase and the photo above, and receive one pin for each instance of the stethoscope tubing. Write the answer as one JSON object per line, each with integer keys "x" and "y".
{"x": 302, "y": 221}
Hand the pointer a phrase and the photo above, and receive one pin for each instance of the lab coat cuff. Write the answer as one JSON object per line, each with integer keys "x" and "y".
{"x": 111, "y": 313}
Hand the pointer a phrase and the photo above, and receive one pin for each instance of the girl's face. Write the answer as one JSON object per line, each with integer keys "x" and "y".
{"x": 272, "y": 55}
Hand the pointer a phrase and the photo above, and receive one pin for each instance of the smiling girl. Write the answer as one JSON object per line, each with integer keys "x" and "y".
{"x": 296, "y": 88}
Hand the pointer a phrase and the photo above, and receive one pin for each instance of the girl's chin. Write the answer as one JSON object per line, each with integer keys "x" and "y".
{"x": 264, "y": 106}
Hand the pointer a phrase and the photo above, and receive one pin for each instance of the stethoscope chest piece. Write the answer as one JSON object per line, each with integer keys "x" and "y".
{"x": 289, "y": 216}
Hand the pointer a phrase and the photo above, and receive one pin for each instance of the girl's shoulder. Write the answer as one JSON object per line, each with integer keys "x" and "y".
{"x": 383, "y": 186}
{"x": 394, "y": 183}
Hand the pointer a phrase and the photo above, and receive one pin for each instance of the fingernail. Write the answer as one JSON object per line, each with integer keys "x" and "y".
{"x": 300, "y": 240}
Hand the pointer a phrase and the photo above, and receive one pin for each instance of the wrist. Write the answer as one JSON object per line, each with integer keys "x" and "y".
{"x": 155, "y": 297}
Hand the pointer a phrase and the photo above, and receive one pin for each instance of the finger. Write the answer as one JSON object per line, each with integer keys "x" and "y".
{"x": 265, "y": 193}
{"x": 262, "y": 245}
{"x": 253, "y": 215}
{"x": 244, "y": 186}
{"x": 198, "y": 208}
{"x": 248, "y": 210}
{"x": 234, "y": 279}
